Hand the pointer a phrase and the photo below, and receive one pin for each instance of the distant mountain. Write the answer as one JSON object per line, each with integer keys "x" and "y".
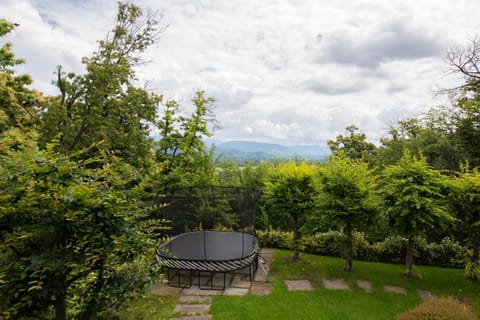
{"x": 241, "y": 151}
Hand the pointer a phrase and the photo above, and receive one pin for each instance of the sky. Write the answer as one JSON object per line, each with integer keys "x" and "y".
{"x": 287, "y": 72}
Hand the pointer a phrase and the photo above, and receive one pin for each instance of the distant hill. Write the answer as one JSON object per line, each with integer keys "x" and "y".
{"x": 241, "y": 151}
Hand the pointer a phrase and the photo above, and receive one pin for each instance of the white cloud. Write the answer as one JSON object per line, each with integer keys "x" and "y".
{"x": 281, "y": 71}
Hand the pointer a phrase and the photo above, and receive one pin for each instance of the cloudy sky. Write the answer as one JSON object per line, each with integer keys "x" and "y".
{"x": 290, "y": 72}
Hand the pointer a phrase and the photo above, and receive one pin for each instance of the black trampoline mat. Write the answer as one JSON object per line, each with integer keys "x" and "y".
{"x": 210, "y": 246}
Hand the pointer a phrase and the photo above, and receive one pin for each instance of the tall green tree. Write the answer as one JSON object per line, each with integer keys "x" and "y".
{"x": 466, "y": 204}
{"x": 69, "y": 233}
{"x": 347, "y": 196}
{"x": 414, "y": 196}
{"x": 353, "y": 145}
{"x": 181, "y": 148}
{"x": 290, "y": 193}
{"x": 19, "y": 104}
{"x": 104, "y": 104}
{"x": 432, "y": 134}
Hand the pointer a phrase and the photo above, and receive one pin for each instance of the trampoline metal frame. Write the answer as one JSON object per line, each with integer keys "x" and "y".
{"x": 196, "y": 266}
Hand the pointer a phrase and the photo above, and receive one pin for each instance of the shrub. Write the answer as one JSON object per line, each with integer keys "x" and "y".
{"x": 275, "y": 238}
{"x": 472, "y": 271}
{"x": 447, "y": 253}
{"x": 439, "y": 309}
{"x": 331, "y": 243}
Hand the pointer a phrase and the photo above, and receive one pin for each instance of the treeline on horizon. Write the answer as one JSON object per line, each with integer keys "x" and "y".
{"x": 80, "y": 178}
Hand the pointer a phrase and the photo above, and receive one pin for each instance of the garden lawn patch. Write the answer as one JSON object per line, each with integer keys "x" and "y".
{"x": 356, "y": 303}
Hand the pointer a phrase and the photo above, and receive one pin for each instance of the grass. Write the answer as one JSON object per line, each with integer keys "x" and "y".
{"x": 322, "y": 303}
{"x": 150, "y": 306}
{"x": 342, "y": 304}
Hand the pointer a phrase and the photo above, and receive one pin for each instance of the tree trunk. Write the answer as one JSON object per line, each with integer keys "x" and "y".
{"x": 60, "y": 308}
{"x": 409, "y": 258}
{"x": 349, "y": 259}
{"x": 295, "y": 240}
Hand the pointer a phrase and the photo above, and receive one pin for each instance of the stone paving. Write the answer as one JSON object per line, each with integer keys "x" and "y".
{"x": 365, "y": 285}
{"x": 194, "y": 303}
{"x": 335, "y": 284}
{"x": 394, "y": 289}
{"x": 299, "y": 285}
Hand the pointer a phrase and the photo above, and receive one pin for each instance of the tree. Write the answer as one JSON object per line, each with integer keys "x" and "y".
{"x": 72, "y": 228}
{"x": 414, "y": 199}
{"x": 347, "y": 196}
{"x": 466, "y": 204}
{"x": 290, "y": 193}
{"x": 104, "y": 104}
{"x": 432, "y": 135}
{"x": 354, "y": 145}
{"x": 466, "y": 61}
{"x": 68, "y": 230}
{"x": 181, "y": 148}
{"x": 20, "y": 104}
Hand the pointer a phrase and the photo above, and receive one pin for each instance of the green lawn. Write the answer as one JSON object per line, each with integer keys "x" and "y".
{"x": 342, "y": 304}
{"x": 321, "y": 303}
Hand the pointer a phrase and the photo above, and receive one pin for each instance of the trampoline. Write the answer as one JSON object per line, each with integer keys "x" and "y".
{"x": 212, "y": 252}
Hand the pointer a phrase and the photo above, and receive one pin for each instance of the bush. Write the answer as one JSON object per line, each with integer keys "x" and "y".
{"x": 472, "y": 271}
{"x": 447, "y": 253}
{"x": 275, "y": 239}
{"x": 439, "y": 309}
{"x": 331, "y": 243}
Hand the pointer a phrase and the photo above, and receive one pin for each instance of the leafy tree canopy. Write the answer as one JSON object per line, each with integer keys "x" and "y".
{"x": 104, "y": 104}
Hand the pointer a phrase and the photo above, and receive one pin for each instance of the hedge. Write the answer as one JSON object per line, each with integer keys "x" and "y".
{"x": 447, "y": 253}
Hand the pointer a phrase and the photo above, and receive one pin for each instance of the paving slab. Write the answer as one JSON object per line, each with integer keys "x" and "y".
{"x": 365, "y": 285}
{"x": 199, "y": 317}
{"x": 266, "y": 255}
{"x": 335, "y": 284}
{"x": 261, "y": 275}
{"x": 261, "y": 288}
{"x": 299, "y": 285}
{"x": 235, "y": 291}
{"x": 191, "y": 308}
{"x": 241, "y": 281}
{"x": 264, "y": 262}
{"x": 194, "y": 299}
{"x": 164, "y": 289}
{"x": 424, "y": 294}
{"x": 394, "y": 289}
{"x": 196, "y": 291}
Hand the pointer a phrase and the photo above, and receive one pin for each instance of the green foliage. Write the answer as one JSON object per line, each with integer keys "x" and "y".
{"x": 347, "y": 196}
{"x": 446, "y": 253}
{"x": 467, "y": 133}
{"x": 69, "y": 233}
{"x": 181, "y": 148}
{"x": 465, "y": 202}
{"x": 414, "y": 199}
{"x": 19, "y": 104}
{"x": 290, "y": 193}
{"x": 104, "y": 104}
{"x": 472, "y": 270}
{"x": 441, "y": 308}
{"x": 274, "y": 238}
{"x": 353, "y": 145}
